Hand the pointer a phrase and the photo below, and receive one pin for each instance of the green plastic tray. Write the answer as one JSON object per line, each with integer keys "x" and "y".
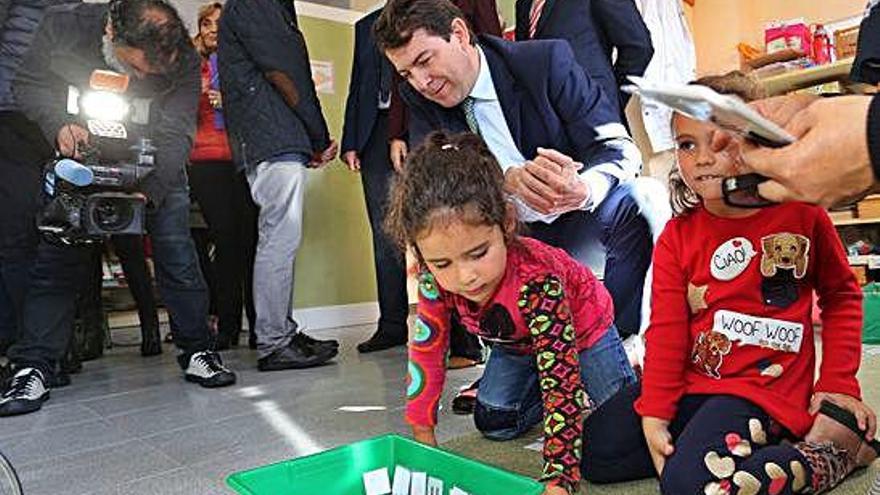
{"x": 338, "y": 471}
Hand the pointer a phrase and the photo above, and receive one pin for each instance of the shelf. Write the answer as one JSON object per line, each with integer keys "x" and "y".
{"x": 871, "y": 260}
{"x": 804, "y": 78}
{"x": 855, "y": 221}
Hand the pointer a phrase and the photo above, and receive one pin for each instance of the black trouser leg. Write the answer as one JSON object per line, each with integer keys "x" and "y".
{"x": 376, "y": 174}
{"x": 130, "y": 250}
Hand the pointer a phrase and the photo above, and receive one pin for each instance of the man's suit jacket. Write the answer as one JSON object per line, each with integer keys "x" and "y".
{"x": 547, "y": 101}
{"x": 362, "y": 106}
{"x": 593, "y": 28}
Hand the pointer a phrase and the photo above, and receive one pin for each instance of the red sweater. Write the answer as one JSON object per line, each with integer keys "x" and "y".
{"x": 731, "y": 313}
{"x": 548, "y": 305}
{"x": 211, "y": 144}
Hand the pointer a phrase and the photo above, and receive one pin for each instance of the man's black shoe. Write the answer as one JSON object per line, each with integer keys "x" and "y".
{"x": 380, "y": 341}
{"x": 294, "y": 356}
{"x": 26, "y": 393}
{"x": 314, "y": 345}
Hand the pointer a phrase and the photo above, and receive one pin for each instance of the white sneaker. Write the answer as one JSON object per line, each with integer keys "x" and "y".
{"x": 26, "y": 393}
{"x": 206, "y": 368}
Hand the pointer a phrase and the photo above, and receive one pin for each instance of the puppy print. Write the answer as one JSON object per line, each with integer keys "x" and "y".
{"x": 709, "y": 351}
{"x": 787, "y": 251}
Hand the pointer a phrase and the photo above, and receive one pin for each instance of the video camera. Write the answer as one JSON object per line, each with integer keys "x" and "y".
{"x": 90, "y": 199}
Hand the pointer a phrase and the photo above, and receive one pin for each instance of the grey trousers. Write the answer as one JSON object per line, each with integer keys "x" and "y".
{"x": 278, "y": 189}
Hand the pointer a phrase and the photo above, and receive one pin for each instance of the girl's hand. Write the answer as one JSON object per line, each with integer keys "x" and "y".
{"x": 425, "y": 435}
{"x": 659, "y": 440}
{"x": 865, "y": 416}
{"x": 555, "y": 490}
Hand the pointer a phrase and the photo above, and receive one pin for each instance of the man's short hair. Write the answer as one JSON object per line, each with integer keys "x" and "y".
{"x": 401, "y": 18}
{"x": 153, "y": 26}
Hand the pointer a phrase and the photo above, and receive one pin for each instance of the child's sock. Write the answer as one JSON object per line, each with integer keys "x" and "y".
{"x": 829, "y": 464}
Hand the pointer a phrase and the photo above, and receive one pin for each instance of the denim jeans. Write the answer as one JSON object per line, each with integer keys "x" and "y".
{"x": 509, "y": 400}
{"x": 618, "y": 227}
{"x": 58, "y": 270}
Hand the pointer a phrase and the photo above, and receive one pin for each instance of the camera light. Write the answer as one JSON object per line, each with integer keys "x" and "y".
{"x": 103, "y": 105}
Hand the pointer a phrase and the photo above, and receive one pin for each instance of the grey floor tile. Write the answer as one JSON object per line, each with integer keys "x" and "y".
{"x": 55, "y": 413}
{"x": 180, "y": 481}
{"x": 97, "y": 470}
{"x": 60, "y": 441}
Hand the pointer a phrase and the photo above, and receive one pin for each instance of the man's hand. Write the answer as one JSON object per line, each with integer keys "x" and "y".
{"x": 549, "y": 183}
{"x": 828, "y": 164}
{"x": 865, "y": 416}
{"x": 71, "y": 138}
{"x": 351, "y": 159}
{"x": 781, "y": 109}
{"x": 398, "y": 150}
{"x": 425, "y": 435}
{"x": 659, "y": 440}
{"x": 326, "y": 156}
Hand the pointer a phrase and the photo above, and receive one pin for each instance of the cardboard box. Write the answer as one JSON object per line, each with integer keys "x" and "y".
{"x": 869, "y": 207}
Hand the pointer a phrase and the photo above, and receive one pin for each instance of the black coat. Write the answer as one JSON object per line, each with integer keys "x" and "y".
{"x": 18, "y": 23}
{"x": 258, "y": 37}
{"x": 362, "y": 105}
{"x": 593, "y": 28}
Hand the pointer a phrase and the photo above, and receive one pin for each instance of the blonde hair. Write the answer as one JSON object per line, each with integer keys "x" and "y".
{"x": 682, "y": 199}
{"x": 204, "y": 11}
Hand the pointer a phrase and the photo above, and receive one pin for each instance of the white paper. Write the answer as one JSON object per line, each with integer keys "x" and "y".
{"x": 376, "y": 482}
{"x": 402, "y": 477}
{"x": 457, "y": 491}
{"x": 419, "y": 484}
{"x": 435, "y": 486}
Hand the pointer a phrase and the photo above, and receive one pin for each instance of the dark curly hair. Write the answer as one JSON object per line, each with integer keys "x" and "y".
{"x": 450, "y": 176}
{"x": 153, "y": 26}
{"x": 401, "y": 18}
{"x": 681, "y": 197}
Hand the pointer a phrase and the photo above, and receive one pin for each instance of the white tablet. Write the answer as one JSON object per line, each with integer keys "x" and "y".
{"x": 704, "y": 104}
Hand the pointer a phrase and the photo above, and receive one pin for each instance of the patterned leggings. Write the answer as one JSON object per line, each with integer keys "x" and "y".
{"x": 726, "y": 445}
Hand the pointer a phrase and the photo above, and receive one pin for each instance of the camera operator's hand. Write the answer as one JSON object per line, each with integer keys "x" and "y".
{"x": 71, "y": 138}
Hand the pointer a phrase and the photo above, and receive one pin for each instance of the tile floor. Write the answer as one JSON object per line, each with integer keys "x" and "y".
{"x": 131, "y": 425}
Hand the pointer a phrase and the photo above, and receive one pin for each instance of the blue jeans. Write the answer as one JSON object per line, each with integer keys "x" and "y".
{"x": 618, "y": 231}
{"x": 58, "y": 270}
{"x": 509, "y": 400}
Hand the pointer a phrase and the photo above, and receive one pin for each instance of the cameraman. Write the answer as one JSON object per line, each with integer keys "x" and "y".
{"x": 146, "y": 40}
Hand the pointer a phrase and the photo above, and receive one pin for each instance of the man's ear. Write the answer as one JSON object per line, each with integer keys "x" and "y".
{"x": 460, "y": 31}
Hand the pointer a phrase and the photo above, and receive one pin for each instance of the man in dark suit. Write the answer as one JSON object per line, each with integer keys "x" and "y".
{"x": 593, "y": 28}
{"x": 365, "y": 149}
{"x": 565, "y": 154}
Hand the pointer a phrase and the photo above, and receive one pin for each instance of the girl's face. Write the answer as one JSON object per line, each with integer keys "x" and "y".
{"x": 466, "y": 259}
{"x": 208, "y": 30}
{"x": 703, "y": 169}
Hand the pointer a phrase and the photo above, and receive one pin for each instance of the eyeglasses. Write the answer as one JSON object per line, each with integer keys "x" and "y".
{"x": 741, "y": 191}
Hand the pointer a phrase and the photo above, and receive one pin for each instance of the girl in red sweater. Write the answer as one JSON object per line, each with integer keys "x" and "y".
{"x": 555, "y": 351}
{"x": 730, "y": 364}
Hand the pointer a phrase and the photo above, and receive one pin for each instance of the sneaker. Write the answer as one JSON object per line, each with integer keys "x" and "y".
{"x": 314, "y": 345}
{"x": 206, "y": 368}
{"x": 26, "y": 393}
{"x": 295, "y": 356}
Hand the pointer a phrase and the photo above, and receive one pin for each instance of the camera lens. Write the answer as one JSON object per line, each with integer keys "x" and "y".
{"x": 112, "y": 214}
